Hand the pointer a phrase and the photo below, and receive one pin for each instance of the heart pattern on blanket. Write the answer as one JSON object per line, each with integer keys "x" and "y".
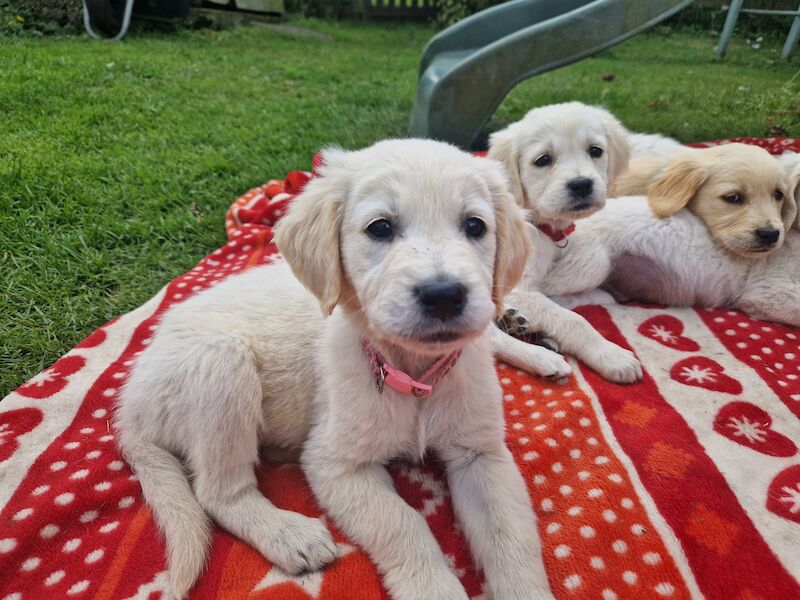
{"x": 52, "y": 380}
{"x": 13, "y": 424}
{"x": 668, "y": 331}
{"x": 783, "y": 496}
{"x": 751, "y": 426}
{"x": 701, "y": 371}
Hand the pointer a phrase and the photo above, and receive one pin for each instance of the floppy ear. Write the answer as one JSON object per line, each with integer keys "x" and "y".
{"x": 790, "y": 215}
{"x": 619, "y": 148}
{"x": 512, "y": 241}
{"x": 503, "y": 148}
{"x": 676, "y": 185}
{"x": 308, "y": 235}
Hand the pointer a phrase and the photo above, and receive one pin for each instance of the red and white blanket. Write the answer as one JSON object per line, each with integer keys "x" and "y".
{"x": 684, "y": 485}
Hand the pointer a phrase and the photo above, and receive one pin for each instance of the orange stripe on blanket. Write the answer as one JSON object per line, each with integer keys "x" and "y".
{"x": 124, "y": 551}
{"x": 597, "y": 539}
{"x": 244, "y": 568}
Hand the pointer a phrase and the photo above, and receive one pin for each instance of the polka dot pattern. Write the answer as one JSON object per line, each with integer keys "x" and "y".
{"x": 594, "y": 534}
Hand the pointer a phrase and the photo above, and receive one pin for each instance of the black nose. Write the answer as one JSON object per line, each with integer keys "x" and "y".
{"x": 580, "y": 186}
{"x": 767, "y": 235}
{"x": 442, "y": 299}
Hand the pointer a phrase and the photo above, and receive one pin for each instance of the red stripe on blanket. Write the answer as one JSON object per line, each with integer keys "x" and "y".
{"x": 728, "y": 556}
{"x": 772, "y": 350}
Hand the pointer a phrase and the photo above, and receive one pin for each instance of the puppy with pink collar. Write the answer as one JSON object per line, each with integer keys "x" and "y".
{"x": 410, "y": 247}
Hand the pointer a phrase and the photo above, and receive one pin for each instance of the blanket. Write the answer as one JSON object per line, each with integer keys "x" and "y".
{"x": 684, "y": 485}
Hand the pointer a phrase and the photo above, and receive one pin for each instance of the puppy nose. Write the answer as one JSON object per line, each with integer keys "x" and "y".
{"x": 442, "y": 299}
{"x": 767, "y": 235}
{"x": 580, "y": 186}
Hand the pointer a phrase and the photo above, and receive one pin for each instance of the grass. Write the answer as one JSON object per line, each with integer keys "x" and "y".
{"x": 117, "y": 161}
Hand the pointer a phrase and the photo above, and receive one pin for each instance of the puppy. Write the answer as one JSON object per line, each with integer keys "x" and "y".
{"x": 723, "y": 250}
{"x": 410, "y": 247}
{"x": 561, "y": 159}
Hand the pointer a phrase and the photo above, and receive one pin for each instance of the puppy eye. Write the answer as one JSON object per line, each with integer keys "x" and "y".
{"x": 778, "y": 195}
{"x": 733, "y": 198}
{"x": 595, "y": 151}
{"x": 543, "y": 161}
{"x": 474, "y": 227}
{"x": 381, "y": 230}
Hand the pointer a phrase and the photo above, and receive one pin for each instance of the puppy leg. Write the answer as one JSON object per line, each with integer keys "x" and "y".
{"x": 362, "y": 502}
{"x": 492, "y": 504}
{"x": 577, "y": 337}
{"x": 529, "y": 357}
{"x": 223, "y": 453}
{"x": 293, "y": 542}
{"x": 587, "y": 298}
{"x": 581, "y": 270}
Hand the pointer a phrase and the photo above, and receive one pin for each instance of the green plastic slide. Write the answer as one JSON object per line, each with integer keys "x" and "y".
{"x": 467, "y": 69}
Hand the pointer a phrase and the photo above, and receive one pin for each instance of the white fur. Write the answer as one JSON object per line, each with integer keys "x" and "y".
{"x": 564, "y": 132}
{"x": 630, "y": 252}
{"x": 652, "y": 144}
{"x": 252, "y": 363}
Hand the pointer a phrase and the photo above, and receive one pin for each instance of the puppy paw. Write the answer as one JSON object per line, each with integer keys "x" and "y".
{"x": 513, "y": 323}
{"x": 302, "y": 544}
{"x": 617, "y": 364}
{"x": 546, "y": 363}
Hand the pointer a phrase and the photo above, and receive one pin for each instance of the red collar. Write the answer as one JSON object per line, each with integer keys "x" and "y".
{"x": 403, "y": 382}
{"x": 555, "y": 234}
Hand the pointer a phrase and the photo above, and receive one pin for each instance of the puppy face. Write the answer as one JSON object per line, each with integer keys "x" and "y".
{"x": 419, "y": 239}
{"x": 742, "y": 194}
{"x": 561, "y": 159}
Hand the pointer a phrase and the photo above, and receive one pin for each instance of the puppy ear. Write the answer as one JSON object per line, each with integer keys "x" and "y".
{"x": 619, "y": 148}
{"x": 308, "y": 235}
{"x": 503, "y": 148}
{"x": 676, "y": 185}
{"x": 790, "y": 215}
{"x": 512, "y": 240}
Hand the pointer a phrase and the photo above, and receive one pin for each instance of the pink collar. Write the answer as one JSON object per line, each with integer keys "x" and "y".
{"x": 555, "y": 234}
{"x": 403, "y": 382}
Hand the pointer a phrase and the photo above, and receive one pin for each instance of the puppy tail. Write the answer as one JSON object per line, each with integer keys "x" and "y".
{"x": 184, "y": 524}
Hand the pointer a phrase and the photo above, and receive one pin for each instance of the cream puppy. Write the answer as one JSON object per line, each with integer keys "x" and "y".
{"x": 561, "y": 160}
{"x": 726, "y": 249}
{"x": 411, "y": 245}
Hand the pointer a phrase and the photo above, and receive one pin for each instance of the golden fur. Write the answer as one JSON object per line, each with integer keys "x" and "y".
{"x": 735, "y": 189}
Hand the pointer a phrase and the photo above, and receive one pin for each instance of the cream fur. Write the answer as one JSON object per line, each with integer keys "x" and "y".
{"x": 565, "y": 133}
{"x": 635, "y": 255}
{"x": 253, "y": 364}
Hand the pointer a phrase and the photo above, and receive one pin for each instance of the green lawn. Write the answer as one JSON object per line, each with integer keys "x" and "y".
{"x": 117, "y": 161}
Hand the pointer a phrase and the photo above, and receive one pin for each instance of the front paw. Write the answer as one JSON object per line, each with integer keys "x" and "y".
{"x": 616, "y": 364}
{"x": 300, "y": 545}
{"x": 545, "y": 363}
